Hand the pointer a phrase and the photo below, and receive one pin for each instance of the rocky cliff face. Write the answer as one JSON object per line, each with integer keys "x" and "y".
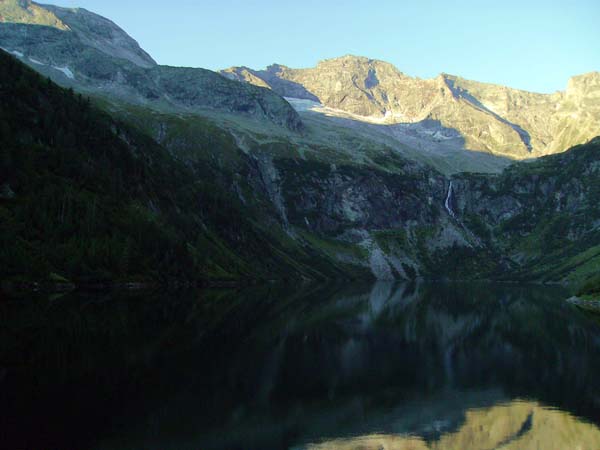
{"x": 494, "y": 119}
{"x": 93, "y": 55}
{"x": 544, "y": 216}
{"x": 536, "y": 220}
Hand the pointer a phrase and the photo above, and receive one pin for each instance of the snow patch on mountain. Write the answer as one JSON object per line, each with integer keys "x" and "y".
{"x": 304, "y": 105}
{"x": 300, "y": 104}
{"x": 66, "y": 71}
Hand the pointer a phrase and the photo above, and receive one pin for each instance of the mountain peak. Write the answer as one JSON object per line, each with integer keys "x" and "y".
{"x": 517, "y": 124}
{"x": 348, "y": 57}
{"x": 276, "y": 68}
{"x": 87, "y": 27}
{"x": 349, "y": 60}
{"x": 584, "y": 81}
{"x": 29, "y": 13}
{"x": 361, "y": 66}
{"x": 103, "y": 34}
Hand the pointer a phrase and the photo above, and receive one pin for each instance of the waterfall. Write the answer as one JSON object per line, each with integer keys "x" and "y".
{"x": 447, "y": 204}
{"x": 468, "y": 232}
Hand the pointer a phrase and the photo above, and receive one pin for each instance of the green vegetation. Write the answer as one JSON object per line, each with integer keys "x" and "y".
{"x": 542, "y": 216}
{"x": 89, "y": 199}
{"x": 591, "y": 287}
{"x": 335, "y": 248}
{"x": 389, "y": 240}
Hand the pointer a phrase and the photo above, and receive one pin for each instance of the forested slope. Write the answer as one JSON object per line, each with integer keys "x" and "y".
{"x": 85, "y": 197}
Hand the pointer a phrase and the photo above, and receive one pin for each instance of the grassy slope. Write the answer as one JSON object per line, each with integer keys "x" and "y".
{"x": 564, "y": 241}
{"x": 553, "y": 232}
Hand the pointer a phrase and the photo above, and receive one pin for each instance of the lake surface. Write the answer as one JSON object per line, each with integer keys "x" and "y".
{"x": 385, "y": 366}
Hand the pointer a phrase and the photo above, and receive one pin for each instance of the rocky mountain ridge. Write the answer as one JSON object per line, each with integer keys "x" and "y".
{"x": 102, "y": 34}
{"x": 93, "y": 55}
{"x": 448, "y": 122}
{"x": 491, "y": 118}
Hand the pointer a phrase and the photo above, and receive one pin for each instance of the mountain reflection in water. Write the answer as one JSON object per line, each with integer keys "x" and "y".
{"x": 389, "y": 366}
{"x": 518, "y": 425}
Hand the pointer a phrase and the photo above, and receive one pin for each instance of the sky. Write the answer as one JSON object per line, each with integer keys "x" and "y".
{"x": 533, "y": 45}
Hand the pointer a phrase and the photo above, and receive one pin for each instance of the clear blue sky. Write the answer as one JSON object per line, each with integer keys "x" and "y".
{"x": 533, "y": 45}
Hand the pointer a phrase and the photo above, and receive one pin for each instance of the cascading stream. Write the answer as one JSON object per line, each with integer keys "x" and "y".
{"x": 448, "y": 207}
{"x": 447, "y": 204}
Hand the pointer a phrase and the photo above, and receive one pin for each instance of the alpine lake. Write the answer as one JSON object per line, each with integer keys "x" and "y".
{"x": 445, "y": 366}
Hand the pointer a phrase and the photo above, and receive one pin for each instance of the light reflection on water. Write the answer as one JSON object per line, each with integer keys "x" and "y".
{"x": 517, "y": 425}
{"x": 390, "y": 366}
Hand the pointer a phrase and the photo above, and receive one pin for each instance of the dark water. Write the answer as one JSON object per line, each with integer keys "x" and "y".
{"x": 421, "y": 366}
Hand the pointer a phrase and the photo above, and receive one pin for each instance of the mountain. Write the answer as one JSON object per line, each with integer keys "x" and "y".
{"x": 490, "y": 118}
{"x": 171, "y": 173}
{"x": 79, "y": 49}
{"x": 89, "y": 198}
